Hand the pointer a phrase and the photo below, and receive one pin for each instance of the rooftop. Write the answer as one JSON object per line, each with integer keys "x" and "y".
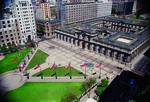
{"x": 50, "y": 21}
{"x": 123, "y": 40}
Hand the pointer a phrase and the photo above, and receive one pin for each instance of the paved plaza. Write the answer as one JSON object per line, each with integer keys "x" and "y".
{"x": 62, "y": 53}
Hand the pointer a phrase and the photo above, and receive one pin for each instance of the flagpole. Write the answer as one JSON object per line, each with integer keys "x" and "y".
{"x": 85, "y": 72}
{"x": 55, "y": 73}
{"x": 23, "y": 55}
{"x": 70, "y": 71}
{"x": 41, "y": 72}
{"x": 17, "y": 59}
{"x": 100, "y": 73}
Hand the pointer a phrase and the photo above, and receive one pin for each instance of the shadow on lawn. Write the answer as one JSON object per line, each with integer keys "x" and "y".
{"x": 66, "y": 74}
{"x": 53, "y": 74}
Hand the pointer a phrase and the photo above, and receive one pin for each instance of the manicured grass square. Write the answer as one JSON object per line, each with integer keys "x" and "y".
{"x": 6, "y": 64}
{"x": 39, "y": 57}
{"x": 61, "y": 71}
{"x": 41, "y": 92}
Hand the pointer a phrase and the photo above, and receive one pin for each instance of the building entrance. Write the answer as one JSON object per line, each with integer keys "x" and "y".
{"x": 83, "y": 45}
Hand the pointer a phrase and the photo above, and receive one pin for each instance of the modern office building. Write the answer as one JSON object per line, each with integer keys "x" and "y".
{"x": 10, "y": 32}
{"x": 117, "y": 39}
{"x": 103, "y": 8}
{"x": 124, "y": 6}
{"x": 23, "y": 11}
{"x": 46, "y": 10}
{"x": 75, "y": 11}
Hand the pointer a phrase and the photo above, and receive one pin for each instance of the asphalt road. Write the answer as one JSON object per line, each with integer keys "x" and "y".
{"x": 141, "y": 65}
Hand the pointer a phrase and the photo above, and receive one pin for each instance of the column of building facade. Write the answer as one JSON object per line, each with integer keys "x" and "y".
{"x": 91, "y": 47}
{"x": 64, "y": 38}
{"x": 96, "y": 49}
{"x": 71, "y": 41}
{"x": 56, "y": 36}
{"x": 76, "y": 42}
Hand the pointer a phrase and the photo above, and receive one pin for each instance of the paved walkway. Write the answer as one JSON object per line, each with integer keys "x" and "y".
{"x": 10, "y": 81}
{"x": 2, "y": 57}
{"x": 62, "y": 54}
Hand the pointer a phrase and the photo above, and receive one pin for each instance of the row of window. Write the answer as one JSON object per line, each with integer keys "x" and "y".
{"x": 3, "y": 22}
{"x": 23, "y": 4}
{"x": 10, "y": 31}
{"x": 4, "y": 26}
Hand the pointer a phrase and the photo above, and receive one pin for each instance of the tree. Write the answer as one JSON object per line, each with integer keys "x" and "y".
{"x": 3, "y": 49}
{"x": 100, "y": 90}
{"x": 84, "y": 87}
{"x": 104, "y": 82}
{"x": 87, "y": 84}
{"x": 41, "y": 29}
{"x": 113, "y": 10}
{"x": 118, "y": 12}
{"x": 31, "y": 42}
{"x": 139, "y": 12}
{"x": 145, "y": 93}
{"x": 12, "y": 48}
{"x": 69, "y": 97}
{"x": 103, "y": 85}
{"x": 67, "y": 24}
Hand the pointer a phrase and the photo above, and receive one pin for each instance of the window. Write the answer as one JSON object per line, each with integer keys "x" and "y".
{"x": 18, "y": 9}
{"x": 6, "y": 36}
{"x": 7, "y": 39}
{"x": 10, "y": 31}
{"x": 8, "y": 21}
{"x": 5, "y": 32}
{"x": 9, "y": 26}
{"x": 3, "y": 22}
{"x": 4, "y": 26}
{"x": 2, "y": 37}
{"x": 12, "y": 38}
{"x": 0, "y": 33}
{"x": 16, "y": 5}
{"x": 11, "y": 34}
{"x": 2, "y": 40}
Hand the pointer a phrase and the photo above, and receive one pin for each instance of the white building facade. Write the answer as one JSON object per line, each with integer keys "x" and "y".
{"x": 104, "y": 8}
{"x": 80, "y": 12}
{"x": 74, "y": 11}
{"x": 9, "y": 32}
{"x": 23, "y": 11}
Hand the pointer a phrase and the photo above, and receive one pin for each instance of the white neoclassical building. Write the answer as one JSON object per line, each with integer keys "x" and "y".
{"x": 117, "y": 39}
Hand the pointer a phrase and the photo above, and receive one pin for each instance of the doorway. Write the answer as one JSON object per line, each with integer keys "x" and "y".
{"x": 83, "y": 45}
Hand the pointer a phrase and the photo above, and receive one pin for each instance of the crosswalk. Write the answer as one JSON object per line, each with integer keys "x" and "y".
{"x": 138, "y": 72}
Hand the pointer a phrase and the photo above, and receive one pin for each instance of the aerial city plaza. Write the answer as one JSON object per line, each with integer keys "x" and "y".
{"x": 74, "y": 51}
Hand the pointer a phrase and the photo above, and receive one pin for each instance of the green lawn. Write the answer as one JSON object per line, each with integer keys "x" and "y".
{"x": 6, "y": 64}
{"x": 41, "y": 92}
{"x": 61, "y": 71}
{"x": 39, "y": 57}
{"x": 138, "y": 19}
